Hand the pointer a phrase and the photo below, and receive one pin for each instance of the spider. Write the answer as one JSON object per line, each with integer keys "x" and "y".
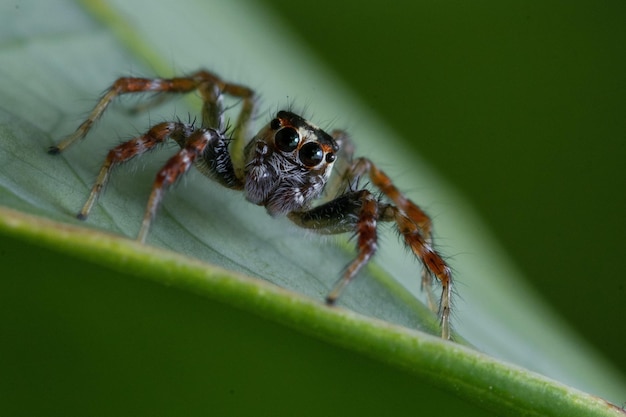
{"x": 286, "y": 168}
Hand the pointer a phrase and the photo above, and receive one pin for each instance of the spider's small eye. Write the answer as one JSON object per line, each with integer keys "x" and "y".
{"x": 311, "y": 154}
{"x": 330, "y": 157}
{"x": 287, "y": 139}
{"x": 275, "y": 124}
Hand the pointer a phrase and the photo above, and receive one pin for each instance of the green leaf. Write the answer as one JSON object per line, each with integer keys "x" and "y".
{"x": 83, "y": 330}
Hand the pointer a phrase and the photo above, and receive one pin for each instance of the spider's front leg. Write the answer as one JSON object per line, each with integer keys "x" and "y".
{"x": 357, "y": 212}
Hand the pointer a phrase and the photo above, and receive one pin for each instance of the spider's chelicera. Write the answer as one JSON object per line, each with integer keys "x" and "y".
{"x": 286, "y": 168}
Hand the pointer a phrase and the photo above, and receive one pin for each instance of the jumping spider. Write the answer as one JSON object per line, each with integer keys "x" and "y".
{"x": 285, "y": 168}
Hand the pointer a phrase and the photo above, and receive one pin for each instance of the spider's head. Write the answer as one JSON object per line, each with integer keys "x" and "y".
{"x": 288, "y": 163}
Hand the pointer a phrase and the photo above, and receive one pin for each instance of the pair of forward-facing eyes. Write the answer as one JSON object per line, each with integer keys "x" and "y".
{"x": 288, "y": 139}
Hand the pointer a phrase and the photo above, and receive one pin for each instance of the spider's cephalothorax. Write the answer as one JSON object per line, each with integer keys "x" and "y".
{"x": 287, "y": 164}
{"x": 286, "y": 168}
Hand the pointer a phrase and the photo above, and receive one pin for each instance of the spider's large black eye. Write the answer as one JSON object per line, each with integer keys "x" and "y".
{"x": 287, "y": 139}
{"x": 311, "y": 154}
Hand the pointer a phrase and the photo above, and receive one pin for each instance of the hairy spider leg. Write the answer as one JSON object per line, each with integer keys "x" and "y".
{"x": 418, "y": 238}
{"x": 210, "y": 87}
{"x": 356, "y": 211}
{"x": 207, "y": 148}
{"x": 347, "y": 173}
{"x": 432, "y": 261}
{"x": 130, "y": 149}
{"x": 212, "y": 114}
{"x": 191, "y": 151}
{"x": 349, "y": 211}
{"x": 367, "y": 242}
{"x": 361, "y": 210}
{"x": 217, "y": 163}
{"x": 382, "y": 181}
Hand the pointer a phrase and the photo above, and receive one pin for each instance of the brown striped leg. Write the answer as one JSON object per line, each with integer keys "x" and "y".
{"x": 174, "y": 168}
{"x": 209, "y": 85}
{"x": 128, "y": 150}
{"x": 415, "y": 227}
{"x": 413, "y": 211}
{"x": 432, "y": 261}
{"x": 362, "y": 166}
{"x": 366, "y": 242}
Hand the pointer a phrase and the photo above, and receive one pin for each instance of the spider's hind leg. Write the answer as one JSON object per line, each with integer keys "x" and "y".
{"x": 125, "y": 85}
{"x": 416, "y": 229}
{"x": 433, "y": 263}
{"x": 209, "y": 85}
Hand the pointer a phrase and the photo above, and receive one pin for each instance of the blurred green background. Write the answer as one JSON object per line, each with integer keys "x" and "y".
{"x": 109, "y": 344}
{"x": 521, "y": 105}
